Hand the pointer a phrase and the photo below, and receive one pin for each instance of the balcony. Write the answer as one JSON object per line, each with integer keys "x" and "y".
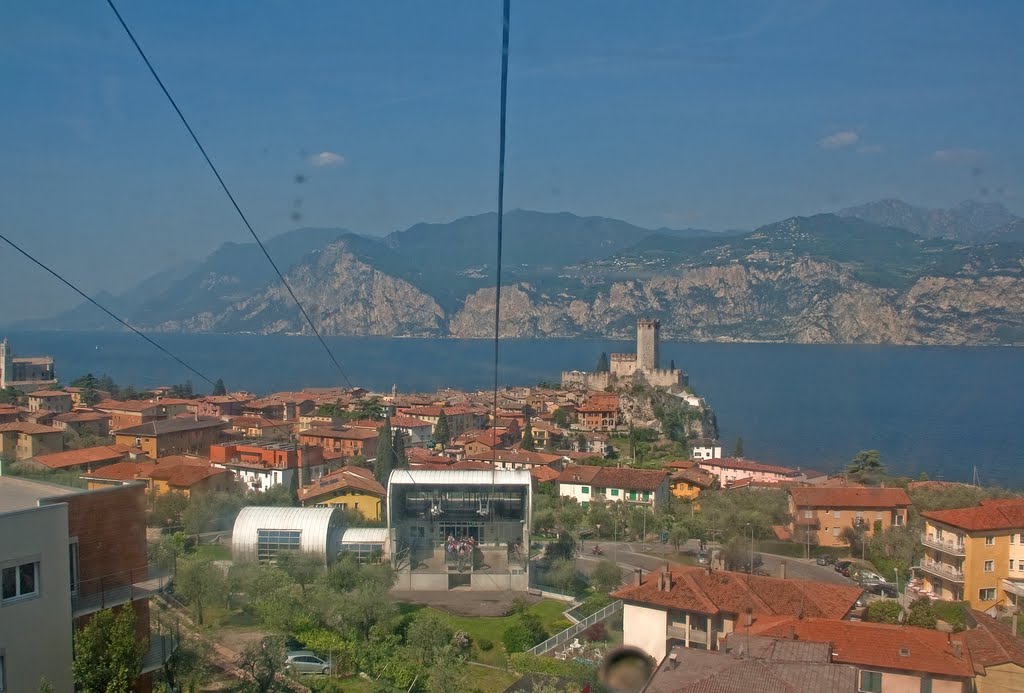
{"x": 117, "y": 588}
{"x": 161, "y": 647}
{"x": 953, "y": 548}
{"x": 941, "y": 570}
{"x": 698, "y": 636}
{"x": 1015, "y": 587}
{"x": 809, "y": 522}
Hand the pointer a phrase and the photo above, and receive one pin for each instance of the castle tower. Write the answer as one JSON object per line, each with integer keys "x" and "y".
{"x": 647, "y": 344}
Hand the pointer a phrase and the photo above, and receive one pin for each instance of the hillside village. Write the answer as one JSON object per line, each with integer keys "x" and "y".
{"x": 400, "y": 541}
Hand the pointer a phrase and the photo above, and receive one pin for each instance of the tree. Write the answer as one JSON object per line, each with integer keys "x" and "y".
{"x": 563, "y": 548}
{"x": 738, "y": 449}
{"x": 108, "y": 658}
{"x": 263, "y": 661}
{"x": 602, "y": 363}
{"x": 185, "y": 669}
{"x": 398, "y": 446}
{"x": 427, "y": 636}
{"x": 10, "y": 395}
{"x": 303, "y": 568}
{"x": 364, "y": 608}
{"x": 606, "y": 576}
{"x": 218, "y": 388}
{"x": 922, "y": 614}
{"x": 523, "y": 633}
{"x": 883, "y": 611}
{"x": 678, "y": 536}
{"x": 442, "y": 430}
{"x": 200, "y": 583}
{"x": 856, "y": 538}
{"x": 168, "y": 509}
{"x": 528, "y": 441}
{"x": 866, "y": 465}
{"x": 385, "y": 460}
{"x": 560, "y": 418}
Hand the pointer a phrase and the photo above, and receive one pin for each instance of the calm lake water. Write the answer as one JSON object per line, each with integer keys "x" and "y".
{"x": 941, "y": 410}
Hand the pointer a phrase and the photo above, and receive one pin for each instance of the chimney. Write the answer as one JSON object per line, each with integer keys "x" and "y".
{"x": 958, "y": 649}
{"x": 782, "y": 569}
{"x": 1013, "y": 624}
{"x": 748, "y": 617}
{"x": 661, "y": 582}
{"x": 792, "y": 632}
{"x": 638, "y": 575}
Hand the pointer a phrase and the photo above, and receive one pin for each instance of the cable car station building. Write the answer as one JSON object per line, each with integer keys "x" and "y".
{"x": 460, "y": 529}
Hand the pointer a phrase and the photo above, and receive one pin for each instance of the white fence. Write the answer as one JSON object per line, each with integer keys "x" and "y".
{"x": 577, "y": 628}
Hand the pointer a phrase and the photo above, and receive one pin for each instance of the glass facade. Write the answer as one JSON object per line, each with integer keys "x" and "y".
{"x": 270, "y": 542}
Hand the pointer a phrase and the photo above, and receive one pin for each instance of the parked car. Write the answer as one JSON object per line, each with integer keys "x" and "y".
{"x": 882, "y": 589}
{"x": 844, "y": 568}
{"x": 826, "y": 559}
{"x": 702, "y": 558}
{"x": 305, "y": 662}
{"x": 865, "y": 577}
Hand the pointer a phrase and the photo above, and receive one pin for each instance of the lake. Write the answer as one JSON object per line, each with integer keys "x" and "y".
{"x": 940, "y": 410}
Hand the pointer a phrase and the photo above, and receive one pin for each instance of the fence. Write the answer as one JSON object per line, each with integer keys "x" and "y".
{"x": 574, "y": 630}
{"x": 118, "y": 588}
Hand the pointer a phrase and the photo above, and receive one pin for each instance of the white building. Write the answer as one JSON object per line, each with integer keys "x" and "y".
{"x": 262, "y": 532}
{"x": 707, "y": 452}
{"x": 635, "y": 486}
{"x": 418, "y": 432}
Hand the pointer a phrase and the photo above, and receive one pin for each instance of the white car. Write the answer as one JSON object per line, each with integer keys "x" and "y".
{"x": 305, "y": 662}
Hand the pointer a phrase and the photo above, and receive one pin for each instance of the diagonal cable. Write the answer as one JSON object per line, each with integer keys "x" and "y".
{"x": 227, "y": 191}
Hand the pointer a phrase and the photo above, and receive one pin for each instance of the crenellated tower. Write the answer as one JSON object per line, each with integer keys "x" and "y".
{"x": 647, "y": 336}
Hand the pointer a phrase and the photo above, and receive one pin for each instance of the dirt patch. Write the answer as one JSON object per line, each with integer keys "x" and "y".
{"x": 465, "y": 602}
{"x": 236, "y": 639}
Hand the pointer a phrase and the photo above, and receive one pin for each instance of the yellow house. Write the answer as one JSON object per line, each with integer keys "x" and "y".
{"x": 997, "y": 653}
{"x": 349, "y": 487}
{"x": 688, "y": 483}
{"x": 975, "y": 554}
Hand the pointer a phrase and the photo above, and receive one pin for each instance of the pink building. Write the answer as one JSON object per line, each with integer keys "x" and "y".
{"x": 730, "y": 469}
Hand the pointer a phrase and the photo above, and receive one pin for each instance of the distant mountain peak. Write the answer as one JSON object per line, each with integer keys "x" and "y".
{"x": 971, "y": 221}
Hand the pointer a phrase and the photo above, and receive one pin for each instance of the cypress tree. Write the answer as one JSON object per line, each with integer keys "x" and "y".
{"x": 738, "y": 450}
{"x": 442, "y": 433}
{"x": 602, "y": 363}
{"x": 218, "y": 388}
{"x": 385, "y": 461}
{"x": 528, "y": 441}
{"x": 401, "y": 462}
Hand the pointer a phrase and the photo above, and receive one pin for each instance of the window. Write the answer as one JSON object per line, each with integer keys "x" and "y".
{"x": 837, "y": 514}
{"x": 808, "y": 514}
{"x": 990, "y": 566}
{"x": 73, "y": 563}
{"x": 926, "y": 684}
{"x": 835, "y": 531}
{"x": 990, "y": 541}
{"x": 19, "y": 581}
{"x": 585, "y": 489}
{"x": 878, "y": 516}
{"x": 987, "y": 595}
{"x": 1011, "y": 564}
{"x": 647, "y": 495}
{"x": 632, "y": 495}
{"x": 269, "y": 542}
{"x": 1013, "y": 537}
{"x": 615, "y": 491}
{"x": 870, "y": 682}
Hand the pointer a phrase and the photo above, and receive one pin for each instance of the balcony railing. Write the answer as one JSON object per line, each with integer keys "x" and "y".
{"x": 117, "y": 588}
{"x": 1015, "y": 587}
{"x": 161, "y": 647}
{"x": 942, "y": 570}
{"x": 697, "y": 635}
{"x": 954, "y": 548}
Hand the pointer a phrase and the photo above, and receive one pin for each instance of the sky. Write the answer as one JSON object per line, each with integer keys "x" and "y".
{"x": 375, "y": 116}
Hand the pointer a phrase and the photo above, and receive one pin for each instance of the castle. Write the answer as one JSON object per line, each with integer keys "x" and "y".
{"x": 26, "y": 373}
{"x": 627, "y": 369}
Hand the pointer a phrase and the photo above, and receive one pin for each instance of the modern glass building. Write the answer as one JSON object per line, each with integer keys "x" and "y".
{"x": 463, "y": 529}
{"x": 260, "y": 533}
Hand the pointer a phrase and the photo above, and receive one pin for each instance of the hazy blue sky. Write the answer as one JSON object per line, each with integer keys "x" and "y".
{"x": 712, "y": 115}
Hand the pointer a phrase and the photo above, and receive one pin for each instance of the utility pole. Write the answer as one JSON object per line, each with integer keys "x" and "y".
{"x": 751, "y": 548}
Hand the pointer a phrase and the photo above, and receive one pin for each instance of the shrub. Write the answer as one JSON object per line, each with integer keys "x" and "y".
{"x": 596, "y": 633}
{"x": 578, "y": 671}
{"x": 485, "y": 644}
{"x": 560, "y": 625}
{"x": 883, "y": 611}
{"x": 922, "y": 614}
{"x": 517, "y": 638}
{"x": 592, "y": 604}
{"x": 462, "y": 640}
{"x": 519, "y": 606}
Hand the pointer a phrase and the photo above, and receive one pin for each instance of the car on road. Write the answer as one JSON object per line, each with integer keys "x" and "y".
{"x": 825, "y": 559}
{"x": 305, "y": 662}
{"x": 882, "y": 589}
{"x": 844, "y": 567}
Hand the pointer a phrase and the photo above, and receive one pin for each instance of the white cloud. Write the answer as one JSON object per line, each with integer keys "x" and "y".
{"x": 958, "y": 157}
{"x": 838, "y": 140}
{"x": 868, "y": 149}
{"x": 326, "y": 159}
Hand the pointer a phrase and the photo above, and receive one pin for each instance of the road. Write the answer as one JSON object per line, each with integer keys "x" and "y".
{"x": 632, "y": 555}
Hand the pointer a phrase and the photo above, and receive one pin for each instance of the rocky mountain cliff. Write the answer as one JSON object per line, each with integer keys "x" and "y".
{"x": 818, "y": 279}
{"x": 970, "y": 221}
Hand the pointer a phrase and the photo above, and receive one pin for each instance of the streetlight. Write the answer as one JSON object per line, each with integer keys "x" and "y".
{"x": 896, "y": 572}
{"x": 751, "y": 547}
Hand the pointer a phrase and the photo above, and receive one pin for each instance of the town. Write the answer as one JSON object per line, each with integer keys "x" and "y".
{"x": 592, "y": 534}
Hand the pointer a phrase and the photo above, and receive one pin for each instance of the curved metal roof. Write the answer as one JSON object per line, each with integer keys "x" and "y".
{"x": 314, "y": 523}
{"x": 365, "y": 535}
{"x": 460, "y": 477}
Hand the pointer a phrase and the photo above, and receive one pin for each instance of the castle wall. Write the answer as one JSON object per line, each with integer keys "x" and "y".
{"x": 665, "y": 377}
{"x": 623, "y": 365}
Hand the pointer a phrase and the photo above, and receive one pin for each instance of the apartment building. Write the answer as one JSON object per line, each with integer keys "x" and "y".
{"x": 173, "y": 436}
{"x": 729, "y": 470}
{"x": 263, "y": 465}
{"x": 347, "y": 488}
{"x": 820, "y": 514}
{"x": 56, "y": 401}
{"x": 21, "y": 440}
{"x": 347, "y": 441}
{"x": 976, "y": 553}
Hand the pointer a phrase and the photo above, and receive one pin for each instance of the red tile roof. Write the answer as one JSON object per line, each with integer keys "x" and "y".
{"x": 409, "y": 422}
{"x": 614, "y": 477}
{"x": 192, "y": 460}
{"x": 81, "y": 417}
{"x": 343, "y": 434}
{"x": 121, "y": 471}
{"x": 748, "y": 466}
{"x": 543, "y": 474}
{"x": 694, "y": 477}
{"x": 518, "y": 457}
{"x": 680, "y": 464}
{"x": 184, "y": 475}
{"x": 829, "y": 497}
{"x": 990, "y": 515}
{"x": 992, "y": 643}
{"x": 49, "y": 393}
{"x": 716, "y": 591}
{"x": 879, "y": 645}
{"x": 134, "y": 405}
{"x": 83, "y": 456}
{"x": 348, "y": 477}
{"x": 29, "y": 429}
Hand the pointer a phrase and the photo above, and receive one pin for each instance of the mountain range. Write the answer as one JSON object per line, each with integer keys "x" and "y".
{"x": 885, "y": 272}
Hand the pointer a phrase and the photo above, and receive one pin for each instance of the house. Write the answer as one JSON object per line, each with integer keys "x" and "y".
{"x": 460, "y": 419}
{"x": 92, "y": 423}
{"x": 750, "y": 664}
{"x": 546, "y": 434}
{"x": 997, "y": 653}
{"x": 821, "y": 513}
{"x": 730, "y": 469}
{"x": 21, "y": 440}
{"x": 640, "y": 486}
{"x": 477, "y": 443}
{"x": 9, "y": 413}
{"x": 889, "y": 658}
{"x": 591, "y": 443}
{"x": 699, "y": 607}
{"x": 119, "y": 474}
{"x": 347, "y": 487}
{"x": 520, "y": 459}
{"x": 222, "y": 405}
{"x": 599, "y": 413}
{"x": 172, "y": 436}
{"x": 688, "y": 483}
{"x": 56, "y": 401}
{"x": 83, "y": 459}
{"x": 417, "y": 431}
{"x": 131, "y": 413}
{"x": 261, "y": 466}
{"x": 65, "y": 554}
{"x": 187, "y": 479}
{"x": 282, "y": 406}
{"x": 260, "y": 427}
{"x": 79, "y": 396}
{"x": 707, "y": 451}
{"x": 975, "y": 553}
{"x": 349, "y": 441}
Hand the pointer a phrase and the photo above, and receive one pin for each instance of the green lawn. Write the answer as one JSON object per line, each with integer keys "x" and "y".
{"x": 492, "y": 628}
{"x": 216, "y": 552}
{"x": 489, "y": 680}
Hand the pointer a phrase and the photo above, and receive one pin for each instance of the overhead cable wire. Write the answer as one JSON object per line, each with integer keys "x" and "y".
{"x": 66, "y": 282}
{"x": 227, "y": 191}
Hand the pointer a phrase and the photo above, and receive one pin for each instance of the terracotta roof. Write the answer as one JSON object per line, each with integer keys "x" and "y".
{"x": 192, "y": 460}
{"x": 880, "y": 645}
{"x": 135, "y": 405}
{"x": 518, "y": 457}
{"x": 694, "y": 476}
{"x": 992, "y": 643}
{"x": 680, "y": 464}
{"x": 990, "y": 515}
{"x": 81, "y": 417}
{"x": 184, "y": 475}
{"x": 471, "y": 464}
{"x": 341, "y": 434}
{"x": 176, "y": 425}
{"x": 366, "y": 423}
{"x": 409, "y": 422}
{"x": 543, "y": 474}
{"x": 424, "y": 455}
{"x": 257, "y": 422}
{"x": 49, "y": 393}
{"x": 748, "y": 466}
{"x": 83, "y": 456}
{"x": 29, "y": 429}
{"x": 751, "y": 482}
{"x": 348, "y": 477}
{"x": 121, "y": 471}
{"x": 614, "y": 477}
{"x": 863, "y": 497}
{"x": 711, "y": 592}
